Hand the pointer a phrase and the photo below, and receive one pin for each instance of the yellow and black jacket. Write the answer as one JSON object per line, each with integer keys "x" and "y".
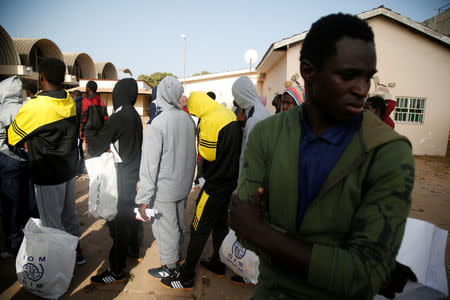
{"x": 47, "y": 124}
{"x": 220, "y": 140}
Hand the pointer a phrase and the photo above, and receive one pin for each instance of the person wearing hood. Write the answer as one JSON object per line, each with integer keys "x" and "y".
{"x": 166, "y": 173}
{"x": 16, "y": 190}
{"x": 220, "y": 145}
{"x": 46, "y": 127}
{"x": 122, "y": 131}
{"x": 245, "y": 95}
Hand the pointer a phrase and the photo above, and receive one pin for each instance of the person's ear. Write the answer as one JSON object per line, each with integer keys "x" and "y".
{"x": 307, "y": 70}
{"x": 41, "y": 76}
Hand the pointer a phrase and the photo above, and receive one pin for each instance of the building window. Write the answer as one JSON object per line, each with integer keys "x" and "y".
{"x": 410, "y": 110}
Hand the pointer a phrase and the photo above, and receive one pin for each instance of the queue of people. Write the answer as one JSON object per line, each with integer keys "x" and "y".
{"x": 323, "y": 188}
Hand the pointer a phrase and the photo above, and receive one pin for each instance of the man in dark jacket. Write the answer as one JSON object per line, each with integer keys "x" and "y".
{"x": 123, "y": 131}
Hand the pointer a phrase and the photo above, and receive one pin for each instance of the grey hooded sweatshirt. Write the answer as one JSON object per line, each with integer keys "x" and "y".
{"x": 10, "y": 104}
{"x": 168, "y": 150}
{"x": 245, "y": 95}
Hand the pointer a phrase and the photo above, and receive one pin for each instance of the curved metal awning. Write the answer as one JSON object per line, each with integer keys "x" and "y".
{"x": 46, "y": 46}
{"x": 106, "y": 70}
{"x": 82, "y": 61}
{"x": 8, "y": 53}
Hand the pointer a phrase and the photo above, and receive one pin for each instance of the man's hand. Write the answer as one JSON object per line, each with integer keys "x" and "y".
{"x": 397, "y": 280}
{"x": 246, "y": 218}
{"x": 142, "y": 208}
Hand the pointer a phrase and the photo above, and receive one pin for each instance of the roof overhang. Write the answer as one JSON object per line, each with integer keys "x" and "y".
{"x": 20, "y": 70}
{"x": 437, "y": 36}
{"x": 277, "y": 49}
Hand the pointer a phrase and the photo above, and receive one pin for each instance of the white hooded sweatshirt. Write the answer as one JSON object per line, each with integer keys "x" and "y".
{"x": 168, "y": 149}
{"x": 10, "y": 104}
{"x": 245, "y": 95}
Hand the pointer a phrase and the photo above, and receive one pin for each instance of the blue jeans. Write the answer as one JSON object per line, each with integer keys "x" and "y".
{"x": 17, "y": 200}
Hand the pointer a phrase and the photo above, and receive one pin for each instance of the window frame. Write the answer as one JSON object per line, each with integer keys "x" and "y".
{"x": 410, "y": 112}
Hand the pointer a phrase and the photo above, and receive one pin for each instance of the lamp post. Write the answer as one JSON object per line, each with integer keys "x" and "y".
{"x": 184, "y": 74}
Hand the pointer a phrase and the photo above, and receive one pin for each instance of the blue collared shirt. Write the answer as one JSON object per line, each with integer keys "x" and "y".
{"x": 317, "y": 157}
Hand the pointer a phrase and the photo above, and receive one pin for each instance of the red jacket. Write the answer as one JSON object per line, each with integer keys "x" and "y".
{"x": 86, "y": 102}
{"x": 390, "y": 106}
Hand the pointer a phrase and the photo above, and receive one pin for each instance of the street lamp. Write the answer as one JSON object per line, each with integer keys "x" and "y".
{"x": 184, "y": 74}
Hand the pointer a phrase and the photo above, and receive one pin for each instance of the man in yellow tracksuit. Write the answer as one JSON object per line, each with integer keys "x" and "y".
{"x": 220, "y": 145}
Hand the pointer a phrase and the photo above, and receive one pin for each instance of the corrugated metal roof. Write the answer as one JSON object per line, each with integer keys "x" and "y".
{"x": 106, "y": 70}
{"x": 48, "y": 48}
{"x": 9, "y": 54}
{"x": 85, "y": 62}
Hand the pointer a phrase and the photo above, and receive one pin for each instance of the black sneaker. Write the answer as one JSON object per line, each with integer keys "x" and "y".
{"x": 5, "y": 254}
{"x": 162, "y": 272}
{"x": 217, "y": 269}
{"x": 107, "y": 278}
{"x": 236, "y": 279}
{"x": 175, "y": 282}
{"x": 80, "y": 258}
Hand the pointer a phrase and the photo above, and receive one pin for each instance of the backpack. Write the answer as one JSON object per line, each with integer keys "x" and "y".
{"x": 94, "y": 116}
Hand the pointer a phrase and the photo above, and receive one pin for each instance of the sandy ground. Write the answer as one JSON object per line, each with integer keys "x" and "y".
{"x": 431, "y": 202}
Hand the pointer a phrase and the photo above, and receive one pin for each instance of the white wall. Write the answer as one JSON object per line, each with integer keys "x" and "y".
{"x": 220, "y": 86}
{"x": 419, "y": 67}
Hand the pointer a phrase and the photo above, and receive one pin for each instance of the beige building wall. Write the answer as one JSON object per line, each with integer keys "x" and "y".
{"x": 221, "y": 86}
{"x": 419, "y": 67}
{"x": 274, "y": 82}
{"x": 293, "y": 57}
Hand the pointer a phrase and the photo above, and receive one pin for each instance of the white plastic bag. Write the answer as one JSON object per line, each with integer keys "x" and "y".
{"x": 242, "y": 261}
{"x": 103, "y": 193}
{"x": 46, "y": 260}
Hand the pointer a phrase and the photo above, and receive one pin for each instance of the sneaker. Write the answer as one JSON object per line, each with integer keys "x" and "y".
{"x": 175, "y": 282}
{"x": 5, "y": 254}
{"x": 108, "y": 277}
{"x": 236, "y": 279}
{"x": 162, "y": 272}
{"x": 80, "y": 258}
{"x": 217, "y": 269}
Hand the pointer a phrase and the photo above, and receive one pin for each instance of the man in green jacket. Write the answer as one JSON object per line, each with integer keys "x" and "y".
{"x": 326, "y": 187}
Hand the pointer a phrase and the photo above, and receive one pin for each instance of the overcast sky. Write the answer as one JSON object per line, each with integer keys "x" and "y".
{"x": 144, "y": 36}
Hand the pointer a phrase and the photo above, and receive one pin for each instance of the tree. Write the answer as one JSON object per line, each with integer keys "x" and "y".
{"x": 154, "y": 78}
{"x": 202, "y": 73}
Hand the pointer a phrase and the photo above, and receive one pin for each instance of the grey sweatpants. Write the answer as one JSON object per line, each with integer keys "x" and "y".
{"x": 168, "y": 229}
{"x": 56, "y": 205}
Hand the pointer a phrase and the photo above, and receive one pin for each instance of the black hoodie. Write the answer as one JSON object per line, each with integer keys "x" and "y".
{"x": 124, "y": 130}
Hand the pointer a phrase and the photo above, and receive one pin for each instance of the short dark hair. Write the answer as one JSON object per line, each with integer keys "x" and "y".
{"x": 276, "y": 100}
{"x": 53, "y": 69}
{"x": 76, "y": 93}
{"x": 211, "y": 95}
{"x": 379, "y": 103}
{"x": 92, "y": 85}
{"x": 320, "y": 42}
{"x": 31, "y": 87}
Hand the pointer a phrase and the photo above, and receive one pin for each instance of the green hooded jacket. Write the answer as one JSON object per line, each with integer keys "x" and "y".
{"x": 357, "y": 220}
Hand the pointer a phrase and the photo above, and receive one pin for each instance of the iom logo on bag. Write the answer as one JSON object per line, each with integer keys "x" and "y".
{"x": 238, "y": 250}
{"x": 32, "y": 272}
